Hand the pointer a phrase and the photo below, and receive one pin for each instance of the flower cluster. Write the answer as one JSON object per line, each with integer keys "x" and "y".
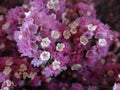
{"x": 58, "y": 45}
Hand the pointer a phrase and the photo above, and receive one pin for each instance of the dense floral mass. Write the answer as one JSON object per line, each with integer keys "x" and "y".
{"x": 59, "y": 45}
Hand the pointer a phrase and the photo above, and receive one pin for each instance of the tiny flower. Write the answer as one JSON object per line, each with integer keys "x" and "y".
{"x": 73, "y": 25}
{"x": 20, "y": 37}
{"x": 119, "y": 75}
{"x": 27, "y": 13}
{"x": 23, "y": 67}
{"x": 88, "y": 13}
{"x": 9, "y": 37}
{"x": 48, "y": 79}
{"x": 17, "y": 75}
{"x": 110, "y": 72}
{"x": 7, "y": 70}
{"x": 56, "y": 7}
{"x": 92, "y": 27}
{"x": 50, "y": 5}
{"x": 6, "y": 26}
{"x": 53, "y": 16}
{"x": 2, "y": 45}
{"x": 66, "y": 34}
{"x": 32, "y": 75}
{"x": 65, "y": 21}
{"x": 60, "y": 47}
{"x": 102, "y": 42}
{"x": 75, "y": 67}
{"x": 1, "y": 17}
{"x": 9, "y": 62}
{"x": 56, "y": 65}
{"x": 55, "y": 1}
{"x": 9, "y": 83}
{"x": 55, "y": 34}
{"x": 45, "y": 42}
{"x": 83, "y": 40}
{"x": 25, "y": 5}
{"x": 45, "y": 55}
{"x": 5, "y": 88}
{"x": 73, "y": 30}
{"x": 25, "y": 75}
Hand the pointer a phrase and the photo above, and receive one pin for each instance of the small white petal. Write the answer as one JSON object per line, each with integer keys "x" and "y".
{"x": 23, "y": 67}
{"x": 50, "y": 5}
{"x": 55, "y": 34}
{"x": 73, "y": 30}
{"x": 119, "y": 76}
{"x": 83, "y": 40}
{"x": 45, "y": 55}
{"x": 75, "y": 67}
{"x": 102, "y": 42}
{"x": 53, "y": 16}
{"x": 66, "y": 34}
{"x": 27, "y": 13}
{"x": 1, "y": 17}
{"x": 5, "y": 26}
{"x": 2, "y": 45}
{"x": 73, "y": 25}
{"x": 45, "y": 42}
{"x": 5, "y": 88}
{"x": 88, "y": 13}
{"x": 60, "y": 47}
{"x": 7, "y": 70}
{"x": 20, "y": 37}
{"x": 92, "y": 27}
{"x": 55, "y": 1}
{"x": 56, "y": 65}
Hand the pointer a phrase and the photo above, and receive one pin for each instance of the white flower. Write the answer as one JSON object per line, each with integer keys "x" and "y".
{"x": 9, "y": 83}
{"x": 53, "y": 16}
{"x": 45, "y": 42}
{"x": 88, "y": 13}
{"x": 56, "y": 65}
{"x": 55, "y": 34}
{"x": 66, "y": 34}
{"x": 102, "y": 42}
{"x": 9, "y": 62}
{"x": 27, "y": 13}
{"x": 1, "y": 17}
{"x": 55, "y": 1}
{"x": 60, "y": 47}
{"x": 6, "y": 26}
{"x": 73, "y": 25}
{"x": 2, "y": 45}
{"x": 7, "y": 70}
{"x": 118, "y": 75}
{"x": 75, "y": 67}
{"x": 56, "y": 7}
{"x": 92, "y": 27}
{"x": 45, "y": 55}
{"x": 32, "y": 75}
{"x": 25, "y": 75}
{"x": 20, "y": 37}
{"x": 50, "y": 5}
{"x": 23, "y": 68}
{"x": 73, "y": 30}
{"x": 83, "y": 40}
{"x": 17, "y": 75}
{"x": 5, "y": 88}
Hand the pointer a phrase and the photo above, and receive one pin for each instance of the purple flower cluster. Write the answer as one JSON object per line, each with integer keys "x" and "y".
{"x": 57, "y": 45}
